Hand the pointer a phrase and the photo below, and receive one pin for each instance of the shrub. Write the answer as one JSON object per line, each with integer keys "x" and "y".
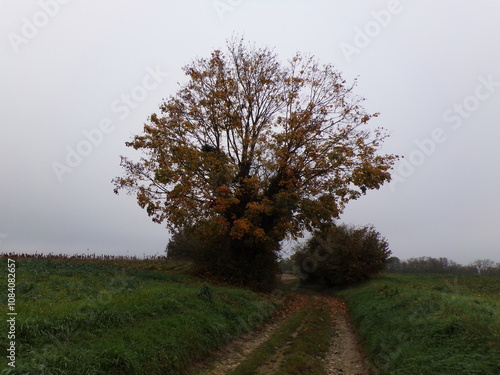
{"x": 218, "y": 256}
{"x": 182, "y": 245}
{"x": 343, "y": 255}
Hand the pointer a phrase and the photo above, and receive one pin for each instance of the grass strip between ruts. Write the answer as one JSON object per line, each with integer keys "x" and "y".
{"x": 305, "y": 354}
{"x": 268, "y": 349}
{"x": 305, "y": 350}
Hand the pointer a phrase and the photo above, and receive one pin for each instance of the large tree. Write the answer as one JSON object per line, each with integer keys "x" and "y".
{"x": 251, "y": 150}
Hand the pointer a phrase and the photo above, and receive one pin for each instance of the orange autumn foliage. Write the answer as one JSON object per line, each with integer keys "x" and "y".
{"x": 261, "y": 148}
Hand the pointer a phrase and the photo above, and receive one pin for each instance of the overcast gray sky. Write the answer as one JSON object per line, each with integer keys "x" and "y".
{"x": 79, "y": 78}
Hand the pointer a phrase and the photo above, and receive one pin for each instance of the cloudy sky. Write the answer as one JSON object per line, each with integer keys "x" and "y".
{"x": 79, "y": 78}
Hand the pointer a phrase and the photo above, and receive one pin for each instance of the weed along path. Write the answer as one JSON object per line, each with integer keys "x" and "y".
{"x": 312, "y": 336}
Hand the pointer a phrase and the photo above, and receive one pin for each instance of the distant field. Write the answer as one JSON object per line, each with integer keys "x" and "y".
{"x": 429, "y": 324}
{"x": 81, "y": 318}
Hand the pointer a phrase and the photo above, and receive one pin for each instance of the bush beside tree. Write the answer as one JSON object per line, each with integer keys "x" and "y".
{"x": 182, "y": 245}
{"x": 343, "y": 255}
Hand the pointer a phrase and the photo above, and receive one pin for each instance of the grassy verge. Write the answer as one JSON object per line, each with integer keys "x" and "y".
{"x": 429, "y": 324}
{"x": 81, "y": 318}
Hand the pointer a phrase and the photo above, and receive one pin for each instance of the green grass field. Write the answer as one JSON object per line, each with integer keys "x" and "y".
{"x": 83, "y": 318}
{"x": 429, "y": 324}
{"x": 125, "y": 316}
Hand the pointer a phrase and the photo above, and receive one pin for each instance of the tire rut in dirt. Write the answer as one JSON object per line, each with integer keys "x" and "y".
{"x": 346, "y": 355}
{"x": 230, "y": 356}
{"x": 272, "y": 366}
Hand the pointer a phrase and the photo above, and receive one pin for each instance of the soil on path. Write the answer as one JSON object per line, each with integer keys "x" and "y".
{"x": 230, "y": 356}
{"x": 345, "y": 355}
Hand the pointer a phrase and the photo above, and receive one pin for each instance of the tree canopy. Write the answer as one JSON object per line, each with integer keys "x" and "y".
{"x": 255, "y": 149}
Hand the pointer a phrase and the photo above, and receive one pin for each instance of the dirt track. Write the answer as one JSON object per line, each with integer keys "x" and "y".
{"x": 344, "y": 356}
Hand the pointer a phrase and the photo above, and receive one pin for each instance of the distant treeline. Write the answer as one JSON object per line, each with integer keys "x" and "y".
{"x": 442, "y": 265}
